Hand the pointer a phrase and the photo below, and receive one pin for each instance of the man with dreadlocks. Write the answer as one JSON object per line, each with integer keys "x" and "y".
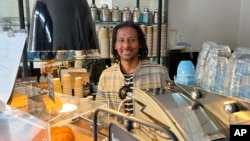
{"x": 131, "y": 67}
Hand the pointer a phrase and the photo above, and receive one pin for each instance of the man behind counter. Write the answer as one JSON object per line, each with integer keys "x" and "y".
{"x": 131, "y": 67}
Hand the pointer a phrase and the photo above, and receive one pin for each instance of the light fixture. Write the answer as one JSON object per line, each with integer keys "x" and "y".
{"x": 62, "y": 25}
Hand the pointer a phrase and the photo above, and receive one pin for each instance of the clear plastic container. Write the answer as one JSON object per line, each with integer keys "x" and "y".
{"x": 237, "y": 83}
{"x": 18, "y": 125}
{"x": 215, "y": 71}
{"x": 206, "y": 46}
{"x": 211, "y": 64}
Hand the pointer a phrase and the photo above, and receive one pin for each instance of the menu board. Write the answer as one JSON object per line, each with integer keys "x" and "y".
{"x": 11, "y": 50}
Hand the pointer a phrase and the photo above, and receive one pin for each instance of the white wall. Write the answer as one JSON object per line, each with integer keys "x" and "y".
{"x": 244, "y": 30}
{"x": 210, "y": 20}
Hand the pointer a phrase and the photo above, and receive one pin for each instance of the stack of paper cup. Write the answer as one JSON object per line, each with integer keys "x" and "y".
{"x": 143, "y": 28}
{"x": 163, "y": 37}
{"x": 149, "y": 39}
{"x": 104, "y": 42}
{"x": 57, "y": 85}
{"x": 110, "y": 42}
{"x": 66, "y": 82}
{"x": 155, "y": 40}
{"x": 163, "y": 40}
{"x": 78, "y": 89}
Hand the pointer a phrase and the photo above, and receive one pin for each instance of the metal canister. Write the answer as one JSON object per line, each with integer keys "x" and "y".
{"x": 126, "y": 15}
{"x": 156, "y": 16}
{"x": 116, "y": 15}
{"x": 145, "y": 16}
{"x": 105, "y": 14}
{"x": 93, "y": 10}
{"x": 136, "y": 15}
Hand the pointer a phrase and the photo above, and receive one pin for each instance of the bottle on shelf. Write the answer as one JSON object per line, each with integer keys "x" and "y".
{"x": 105, "y": 13}
{"x": 116, "y": 14}
{"x": 126, "y": 15}
{"x": 136, "y": 15}
{"x": 94, "y": 12}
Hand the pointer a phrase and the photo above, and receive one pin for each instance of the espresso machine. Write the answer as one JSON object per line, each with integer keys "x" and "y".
{"x": 186, "y": 113}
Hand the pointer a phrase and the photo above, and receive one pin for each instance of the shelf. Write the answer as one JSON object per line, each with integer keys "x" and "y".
{"x": 86, "y": 58}
{"x": 114, "y": 23}
{"x": 69, "y": 59}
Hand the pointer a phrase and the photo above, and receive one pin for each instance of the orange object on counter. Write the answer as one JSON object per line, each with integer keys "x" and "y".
{"x": 51, "y": 106}
{"x": 48, "y": 66}
{"x": 19, "y": 100}
{"x": 63, "y": 133}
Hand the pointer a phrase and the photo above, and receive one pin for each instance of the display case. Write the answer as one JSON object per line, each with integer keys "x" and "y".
{"x": 36, "y": 120}
{"x": 69, "y": 109}
{"x": 16, "y": 123}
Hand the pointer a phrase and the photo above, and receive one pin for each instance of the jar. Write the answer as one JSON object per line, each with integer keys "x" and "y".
{"x": 93, "y": 10}
{"x": 126, "y": 15}
{"x": 105, "y": 14}
{"x": 145, "y": 16}
{"x": 136, "y": 15}
{"x": 116, "y": 16}
{"x": 156, "y": 16}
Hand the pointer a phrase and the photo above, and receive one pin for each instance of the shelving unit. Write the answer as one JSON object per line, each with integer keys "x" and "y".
{"x": 159, "y": 25}
{"x": 26, "y": 64}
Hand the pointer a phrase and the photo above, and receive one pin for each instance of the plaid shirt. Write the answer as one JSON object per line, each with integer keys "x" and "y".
{"x": 147, "y": 75}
